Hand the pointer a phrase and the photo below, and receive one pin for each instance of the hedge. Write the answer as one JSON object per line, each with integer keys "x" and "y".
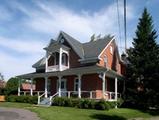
{"x": 22, "y": 99}
{"x": 84, "y": 103}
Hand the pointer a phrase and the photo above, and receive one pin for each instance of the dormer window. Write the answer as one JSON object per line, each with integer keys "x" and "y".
{"x": 111, "y": 49}
{"x": 64, "y": 59}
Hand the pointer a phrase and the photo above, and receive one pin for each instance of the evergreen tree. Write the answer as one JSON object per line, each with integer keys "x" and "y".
{"x": 142, "y": 86}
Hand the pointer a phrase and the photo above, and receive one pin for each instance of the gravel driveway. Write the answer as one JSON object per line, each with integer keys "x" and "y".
{"x": 16, "y": 114}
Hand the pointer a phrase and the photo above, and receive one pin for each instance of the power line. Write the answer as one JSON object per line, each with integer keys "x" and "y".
{"x": 119, "y": 26}
{"x": 125, "y": 33}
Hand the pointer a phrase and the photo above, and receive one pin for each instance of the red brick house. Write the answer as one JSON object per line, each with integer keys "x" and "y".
{"x": 85, "y": 70}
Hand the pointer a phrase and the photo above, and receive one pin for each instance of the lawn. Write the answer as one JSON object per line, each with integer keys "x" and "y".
{"x": 66, "y": 113}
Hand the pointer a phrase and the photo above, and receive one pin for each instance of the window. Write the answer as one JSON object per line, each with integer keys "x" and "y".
{"x": 105, "y": 61}
{"x": 51, "y": 60}
{"x": 64, "y": 59}
{"x": 76, "y": 84}
{"x": 111, "y": 49}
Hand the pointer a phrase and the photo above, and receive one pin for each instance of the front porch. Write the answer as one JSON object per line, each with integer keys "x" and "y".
{"x": 86, "y": 82}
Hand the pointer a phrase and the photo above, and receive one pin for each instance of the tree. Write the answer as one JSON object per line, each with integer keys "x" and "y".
{"x": 12, "y": 86}
{"x": 143, "y": 68}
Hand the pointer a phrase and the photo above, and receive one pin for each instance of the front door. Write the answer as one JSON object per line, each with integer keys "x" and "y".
{"x": 63, "y": 88}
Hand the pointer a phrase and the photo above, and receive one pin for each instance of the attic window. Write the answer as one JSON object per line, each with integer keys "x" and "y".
{"x": 62, "y": 40}
{"x": 105, "y": 61}
{"x": 111, "y": 49}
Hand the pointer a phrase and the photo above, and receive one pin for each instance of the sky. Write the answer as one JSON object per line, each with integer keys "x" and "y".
{"x": 26, "y": 26}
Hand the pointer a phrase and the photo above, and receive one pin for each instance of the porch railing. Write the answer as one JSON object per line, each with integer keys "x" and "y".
{"x": 38, "y": 93}
{"x": 110, "y": 96}
{"x": 39, "y": 97}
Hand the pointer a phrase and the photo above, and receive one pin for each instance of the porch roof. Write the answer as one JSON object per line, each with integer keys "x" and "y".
{"x": 75, "y": 71}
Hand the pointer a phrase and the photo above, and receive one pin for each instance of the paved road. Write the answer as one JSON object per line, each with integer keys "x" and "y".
{"x": 16, "y": 114}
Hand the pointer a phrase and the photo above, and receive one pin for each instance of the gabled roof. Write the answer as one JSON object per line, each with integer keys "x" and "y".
{"x": 94, "y": 48}
{"x": 75, "y": 44}
{"x": 86, "y": 51}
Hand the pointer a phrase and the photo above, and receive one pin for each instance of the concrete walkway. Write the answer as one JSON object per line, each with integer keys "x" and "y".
{"x": 16, "y": 114}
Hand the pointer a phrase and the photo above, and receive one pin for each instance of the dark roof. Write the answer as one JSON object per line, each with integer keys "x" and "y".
{"x": 75, "y": 71}
{"x": 94, "y": 48}
{"x": 40, "y": 63}
{"x": 86, "y": 51}
{"x": 75, "y": 44}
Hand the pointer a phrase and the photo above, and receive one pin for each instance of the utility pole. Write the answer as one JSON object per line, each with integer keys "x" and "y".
{"x": 125, "y": 28}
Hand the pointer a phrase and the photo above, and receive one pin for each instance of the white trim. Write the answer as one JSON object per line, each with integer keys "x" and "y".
{"x": 19, "y": 84}
{"x": 103, "y": 84}
{"x": 79, "y": 86}
{"x": 76, "y": 78}
{"x": 60, "y": 59}
{"x": 116, "y": 90}
{"x": 106, "y": 47}
{"x": 46, "y": 61}
{"x": 59, "y": 86}
{"x": 31, "y": 87}
{"x": 46, "y": 85}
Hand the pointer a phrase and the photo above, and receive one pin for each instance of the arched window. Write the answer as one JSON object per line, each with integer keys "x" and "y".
{"x": 51, "y": 60}
{"x": 64, "y": 59}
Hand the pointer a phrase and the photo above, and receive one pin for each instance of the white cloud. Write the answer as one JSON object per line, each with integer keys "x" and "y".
{"x": 22, "y": 46}
{"x": 50, "y": 19}
{"x": 11, "y": 66}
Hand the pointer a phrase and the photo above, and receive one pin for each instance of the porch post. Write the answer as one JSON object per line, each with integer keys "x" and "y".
{"x": 79, "y": 86}
{"x": 60, "y": 59}
{"x": 19, "y": 83}
{"x": 116, "y": 90}
{"x": 46, "y": 81}
{"x": 59, "y": 86}
{"x": 103, "y": 84}
{"x": 31, "y": 87}
{"x": 46, "y": 61}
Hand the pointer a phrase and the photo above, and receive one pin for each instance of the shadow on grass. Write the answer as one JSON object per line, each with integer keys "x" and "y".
{"x": 106, "y": 117}
{"x": 151, "y": 112}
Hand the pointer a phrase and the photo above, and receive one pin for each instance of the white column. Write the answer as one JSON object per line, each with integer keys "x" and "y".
{"x": 31, "y": 87}
{"x": 60, "y": 59}
{"x": 59, "y": 86}
{"x": 103, "y": 84}
{"x": 19, "y": 84}
{"x": 46, "y": 61}
{"x": 46, "y": 81}
{"x": 79, "y": 86}
{"x": 116, "y": 90}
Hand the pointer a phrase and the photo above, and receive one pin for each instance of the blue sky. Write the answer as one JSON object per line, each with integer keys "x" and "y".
{"x": 26, "y": 26}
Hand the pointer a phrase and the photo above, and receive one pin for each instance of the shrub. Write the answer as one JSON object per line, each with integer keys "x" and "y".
{"x": 120, "y": 102}
{"x": 102, "y": 105}
{"x": 22, "y": 99}
{"x": 83, "y": 103}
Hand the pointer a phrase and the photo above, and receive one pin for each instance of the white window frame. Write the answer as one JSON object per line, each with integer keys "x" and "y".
{"x": 111, "y": 49}
{"x": 64, "y": 55}
{"x": 105, "y": 59}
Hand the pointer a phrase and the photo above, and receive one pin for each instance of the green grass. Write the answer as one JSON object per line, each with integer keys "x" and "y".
{"x": 66, "y": 113}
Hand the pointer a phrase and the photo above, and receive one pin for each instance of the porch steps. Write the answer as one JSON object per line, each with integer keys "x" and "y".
{"x": 45, "y": 102}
